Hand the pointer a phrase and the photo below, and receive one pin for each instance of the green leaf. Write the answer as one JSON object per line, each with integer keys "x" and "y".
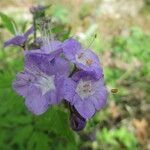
{"x": 38, "y": 141}
{"x": 60, "y": 13}
{"x": 8, "y": 22}
{"x": 4, "y": 136}
{"x": 6, "y": 79}
{"x": 69, "y": 146}
{"x": 57, "y": 121}
{"x": 22, "y": 134}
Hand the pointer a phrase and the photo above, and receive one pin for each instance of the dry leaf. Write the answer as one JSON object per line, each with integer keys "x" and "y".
{"x": 141, "y": 130}
{"x": 114, "y": 111}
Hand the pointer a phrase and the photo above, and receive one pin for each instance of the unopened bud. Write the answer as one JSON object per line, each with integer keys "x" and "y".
{"x": 77, "y": 122}
{"x": 35, "y": 9}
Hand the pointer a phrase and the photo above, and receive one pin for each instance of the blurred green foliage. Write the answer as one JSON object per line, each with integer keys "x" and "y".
{"x": 119, "y": 138}
{"x": 60, "y": 13}
{"x": 7, "y": 22}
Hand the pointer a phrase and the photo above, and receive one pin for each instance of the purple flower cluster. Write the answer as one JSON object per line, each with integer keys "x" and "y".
{"x": 61, "y": 71}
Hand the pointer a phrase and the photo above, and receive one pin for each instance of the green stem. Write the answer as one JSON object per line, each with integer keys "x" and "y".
{"x": 34, "y": 24}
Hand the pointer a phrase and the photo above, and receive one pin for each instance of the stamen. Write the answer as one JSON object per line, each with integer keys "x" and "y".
{"x": 80, "y": 55}
{"x": 95, "y": 36}
{"x": 36, "y": 73}
{"x": 85, "y": 89}
{"x": 89, "y": 61}
{"x": 50, "y": 30}
{"x": 45, "y": 83}
{"x": 23, "y": 79}
{"x": 46, "y": 32}
{"x": 84, "y": 58}
{"x": 32, "y": 72}
{"x": 27, "y": 79}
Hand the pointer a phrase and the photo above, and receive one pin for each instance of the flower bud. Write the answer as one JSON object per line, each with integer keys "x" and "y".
{"x": 77, "y": 122}
{"x": 35, "y": 9}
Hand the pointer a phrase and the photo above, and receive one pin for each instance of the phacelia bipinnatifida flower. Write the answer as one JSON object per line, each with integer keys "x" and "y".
{"x": 48, "y": 77}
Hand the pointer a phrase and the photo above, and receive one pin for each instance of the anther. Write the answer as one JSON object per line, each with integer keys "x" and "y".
{"x": 80, "y": 55}
{"x": 46, "y": 31}
{"x": 89, "y": 61}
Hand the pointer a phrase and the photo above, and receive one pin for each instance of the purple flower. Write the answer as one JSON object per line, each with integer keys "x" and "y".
{"x": 85, "y": 60}
{"x": 86, "y": 93}
{"x": 53, "y": 48}
{"x": 40, "y": 82}
{"x": 19, "y": 39}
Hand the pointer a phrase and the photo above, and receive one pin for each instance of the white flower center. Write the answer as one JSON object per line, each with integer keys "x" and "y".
{"x": 85, "y": 88}
{"x": 46, "y": 83}
{"x": 83, "y": 58}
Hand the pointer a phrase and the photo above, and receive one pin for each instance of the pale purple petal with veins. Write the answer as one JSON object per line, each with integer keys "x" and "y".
{"x": 45, "y": 63}
{"x": 85, "y": 108}
{"x": 22, "y": 84}
{"x": 66, "y": 88}
{"x": 71, "y": 47}
{"x": 36, "y": 102}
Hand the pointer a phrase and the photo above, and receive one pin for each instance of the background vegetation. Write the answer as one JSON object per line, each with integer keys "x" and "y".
{"x": 123, "y": 44}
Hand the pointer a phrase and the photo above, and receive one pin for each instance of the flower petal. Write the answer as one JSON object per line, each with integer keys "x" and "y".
{"x": 46, "y": 64}
{"x": 17, "y": 40}
{"x": 36, "y": 103}
{"x": 100, "y": 97}
{"x": 21, "y": 84}
{"x": 85, "y": 108}
{"x": 29, "y": 31}
{"x": 66, "y": 87}
{"x": 70, "y": 48}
